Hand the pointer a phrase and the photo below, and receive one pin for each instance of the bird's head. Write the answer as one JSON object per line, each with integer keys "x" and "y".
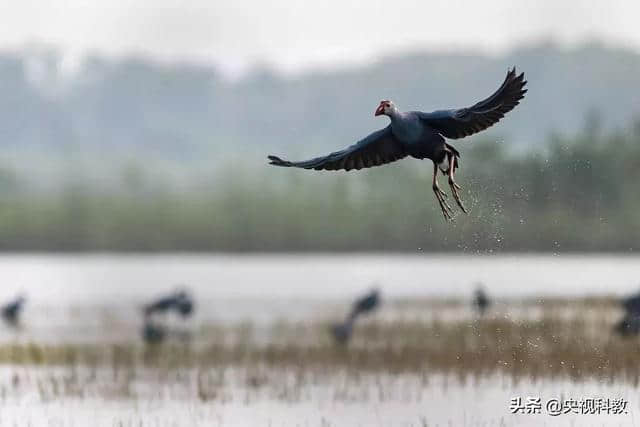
{"x": 386, "y": 107}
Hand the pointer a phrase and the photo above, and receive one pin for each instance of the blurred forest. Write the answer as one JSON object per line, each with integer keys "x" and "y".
{"x": 133, "y": 155}
{"x": 579, "y": 194}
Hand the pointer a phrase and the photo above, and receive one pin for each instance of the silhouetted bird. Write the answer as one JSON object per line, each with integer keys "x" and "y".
{"x": 153, "y": 333}
{"x": 481, "y": 301}
{"x": 11, "y": 311}
{"x": 630, "y": 323}
{"x": 632, "y": 304}
{"x": 180, "y": 302}
{"x": 342, "y": 332}
{"x": 422, "y": 136}
{"x": 185, "y": 305}
{"x": 366, "y": 304}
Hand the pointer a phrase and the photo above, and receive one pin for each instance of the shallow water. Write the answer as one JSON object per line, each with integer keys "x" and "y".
{"x": 65, "y": 278}
{"x": 372, "y": 400}
{"x": 98, "y": 299}
{"x": 71, "y": 297}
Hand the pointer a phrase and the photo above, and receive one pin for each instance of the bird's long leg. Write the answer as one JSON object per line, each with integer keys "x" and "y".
{"x": 454, "y": 186}
{"x": 441, "y": 196}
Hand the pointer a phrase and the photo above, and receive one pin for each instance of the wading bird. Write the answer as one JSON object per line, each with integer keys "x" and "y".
{"x": 422, "y": 136}
{"x": 180, "y": 301}
{"x": 11, "y": 311}
{"x": 153, "y": 333}
{"x": 481, "y": 301}
{"x": 630, "y": 323}
{"x": 367, "y": 303}
{"x": 342, "y": 331}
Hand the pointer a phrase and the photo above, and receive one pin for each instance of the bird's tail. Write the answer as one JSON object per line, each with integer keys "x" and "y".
{"x": 277, "y": 161}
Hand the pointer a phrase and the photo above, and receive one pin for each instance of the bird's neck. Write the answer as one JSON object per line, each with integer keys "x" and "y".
{"x": 394, "y": 115}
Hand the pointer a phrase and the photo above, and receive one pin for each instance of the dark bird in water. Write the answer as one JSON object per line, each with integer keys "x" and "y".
{"x": 367, "y": 303}
{"x": 630, "y": 323}
{"x": 631, "y": 304}
{"x": 153, "y": 333}
{"x": 481, "y": 301}
{"x": 184, "y": 304}
{"x": 180, "y": 301}
{"x": 11, "y": 311}
{"x": 422, "y": 136}
{"x": 342, "y": 332}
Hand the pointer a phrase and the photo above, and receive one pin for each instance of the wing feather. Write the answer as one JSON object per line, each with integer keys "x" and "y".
{"x": 463, "y": 122}
{"x": 378, "y": 148}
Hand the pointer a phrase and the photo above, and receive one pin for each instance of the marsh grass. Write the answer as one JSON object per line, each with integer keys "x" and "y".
{"x": 552, "y": 339}
{"x": 406, "y": 363}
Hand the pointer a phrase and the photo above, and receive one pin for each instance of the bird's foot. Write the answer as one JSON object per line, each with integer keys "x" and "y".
{"x": 446, "y": 208}
{"x": 456, "y": 195}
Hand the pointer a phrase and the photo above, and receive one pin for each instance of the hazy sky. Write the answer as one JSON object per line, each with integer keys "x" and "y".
{"x": 297, "y": 34}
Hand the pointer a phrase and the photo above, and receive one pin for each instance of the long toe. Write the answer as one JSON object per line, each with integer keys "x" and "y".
{"x": 456, "y": 195}
{"x": 447, "y": 211}
{"x": 459, "y": 202}
{"x": 441, "y": 195}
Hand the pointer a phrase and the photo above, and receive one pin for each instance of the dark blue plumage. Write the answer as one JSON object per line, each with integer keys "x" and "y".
{"x": 366, "y": 304}
{"x": 421, "y": 135}
{"x": 153, "y": 333}
{"x": 481, "y": 301}
{"x": 180, "y": 301}
{"x": 11, "y": 311}
{"x": 632, "y": 304}
{"x": 342, "y": 332}
{"x": 630, "y": 323}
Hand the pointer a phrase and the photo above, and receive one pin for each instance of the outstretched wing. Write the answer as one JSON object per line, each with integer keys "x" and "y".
{"x": 376, "y": 149}
{"x": 463, "y": 122}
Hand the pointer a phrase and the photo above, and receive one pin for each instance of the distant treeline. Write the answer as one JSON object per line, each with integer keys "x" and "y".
{"x": 577, "y": 193}
{"x": 185, "y": 110}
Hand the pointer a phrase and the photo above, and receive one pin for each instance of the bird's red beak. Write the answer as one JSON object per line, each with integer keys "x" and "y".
{"x": 379, "y": 110}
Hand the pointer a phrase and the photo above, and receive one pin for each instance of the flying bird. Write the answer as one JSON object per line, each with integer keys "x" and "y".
{"x": 422, "y": 136}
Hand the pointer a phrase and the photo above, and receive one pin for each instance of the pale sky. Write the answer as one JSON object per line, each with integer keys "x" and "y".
{"x": 294, "y": 35}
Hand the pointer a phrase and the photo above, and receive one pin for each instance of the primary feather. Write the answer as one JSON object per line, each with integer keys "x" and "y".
{"x": 376, "y": 149}
{"x": 463, "y": 122}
